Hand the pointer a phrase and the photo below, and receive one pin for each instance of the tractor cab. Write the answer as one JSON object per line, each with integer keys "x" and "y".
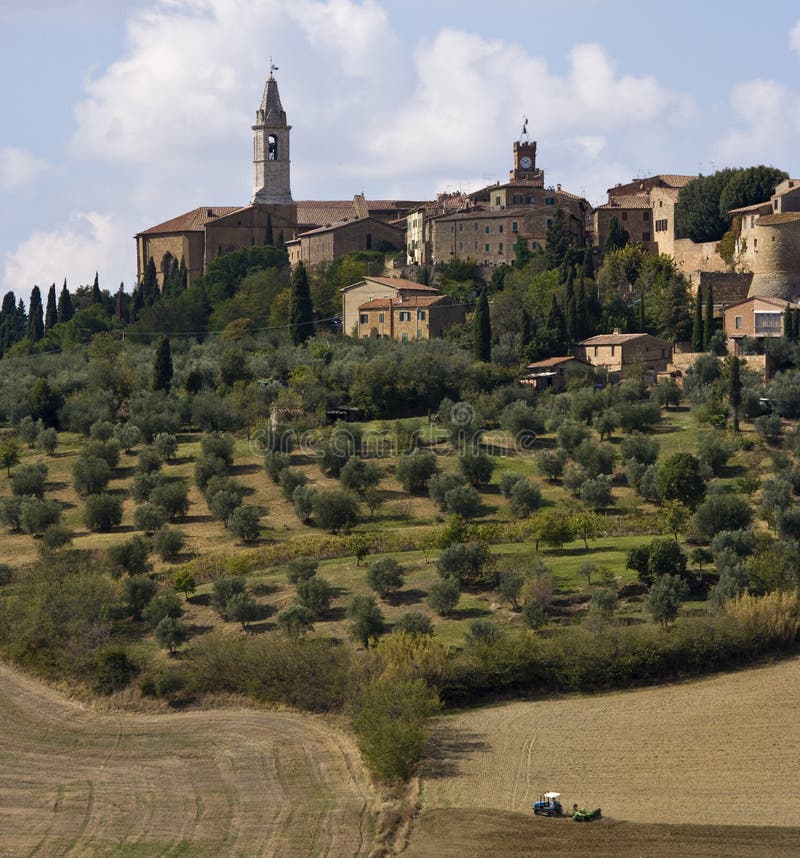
{"x": 548, "y": 805}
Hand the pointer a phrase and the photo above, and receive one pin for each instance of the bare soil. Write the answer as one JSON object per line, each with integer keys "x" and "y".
{"x": 719, "y": 751}
{"x": 75, "y": 781}
{"x": 464, "y": 833}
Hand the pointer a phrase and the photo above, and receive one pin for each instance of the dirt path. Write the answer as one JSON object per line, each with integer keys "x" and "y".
{"x": 75, "y": 782}
{"x": 720, "y": 751}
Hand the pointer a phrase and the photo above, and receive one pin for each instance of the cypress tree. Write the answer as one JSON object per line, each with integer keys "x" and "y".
{"x": 708, "y": 321}
{"x": 697, "y": 323}
{"x": 482, "y": 329}
{"x": 555, "y": 324}
{"x": 97, "y": 295}
{"x": 584, "y": 317}
{"x": 183, "y": 276}
{"x": 8, "y": 322}
{"x": 268, "y": 237}
{"x": 119, "y": 305}
{"x": 616, "y": 238}
{"x": 149, "y": 286}
{"x": 587, "y": 267}
{"x": 51, "y": 314}
{"x": 422, "y": 275}
{"x": 735, "y": 392}
{"x": 571, "y": 308}
{"x": 301, "y": 311}
{"x": 65, "y": 308}
{"x": 21, "y": 322}
{"x": 35, "y": 316}
{"x": 642, "y": 314}
{"x": 162, "y": 365}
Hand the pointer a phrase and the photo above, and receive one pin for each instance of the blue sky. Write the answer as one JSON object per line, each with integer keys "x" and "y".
{"x": 118, "y": 114}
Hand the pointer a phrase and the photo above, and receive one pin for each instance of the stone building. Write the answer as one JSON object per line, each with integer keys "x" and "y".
{"x": 618, "y": 354}
{"x": 409, "y": 317}
{"x": 758, "y": 318}
{"x": 488, "y": 224}
{"x": 371, "y": 288}
{"x": 203, "y": 234}
{"x": 645, "y": 208}
{"x": 551, "y": 373}
{"x": 333, "y": 240}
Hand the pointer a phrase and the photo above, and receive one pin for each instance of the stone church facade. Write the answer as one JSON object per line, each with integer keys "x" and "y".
{"x": 203, "y": 234}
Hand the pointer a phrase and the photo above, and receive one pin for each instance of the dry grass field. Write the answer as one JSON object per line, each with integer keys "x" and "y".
{"x": 76, "y": 782}
{"x": 717, "y": 751}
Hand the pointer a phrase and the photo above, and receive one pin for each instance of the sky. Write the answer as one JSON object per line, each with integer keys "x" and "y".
{"x": 120, "y": 114}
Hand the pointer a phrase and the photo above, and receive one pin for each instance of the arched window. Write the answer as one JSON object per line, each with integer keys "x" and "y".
{"x": 272, "y": 148}
{"x": 168, "y": 265}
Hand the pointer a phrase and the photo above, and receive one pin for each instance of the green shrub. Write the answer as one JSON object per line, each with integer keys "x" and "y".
{"x": 245, "y": 523}
{"x": 29, "y": 480}
{"x": 130, "y": 555}
{"x": 168, "y": 542}
{"x": 385, "y": 576}
{"x": 113, "y": 670}
{"x": 443, "y": 596}
{"x": 102, "y": 512}
{"x": 415, "y": 623}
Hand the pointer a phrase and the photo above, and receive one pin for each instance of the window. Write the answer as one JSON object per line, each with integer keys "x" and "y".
{"x": 775, "y": 205}
{"x": 461, "y": 227}
{"x": 549, "y": 221}
{"x": 500, "y": 247}
{"x": 645, "y": 215}
{"x": 514, "y": 226}
{"x": 363, "y": 318}
{"x": 534, "y": 245}
{"x": 405, "y": 315}
{"x": 755, "y": 244}
{"x": 476, "y": 227}
{"x": 380, "y": 317}
{"x": 768, "y": 323}
{"x": 738, "y": 323}
{"x": 405, "y": 338}
{"x": 500, "y": 228}
{"x": 497, "y": 201}
{"x": 752, "y": 220}
{"x": 486, "y": 248}
{"x": 613, "y": 349}
{"x": 529, "y": 201}
{"x": 623, "y": 215}
{"x": 645, "y": 236}
{"x": 661, "y": 225}
{"x": 452, "y": 229}
{"x": 595, "y": 351}
{"x": 549, "y": 201}
{"x": 518, "y": 199}
{"x": 272, "y": 148}
{"x": 421, "y": 315}
{"x": 486, "y": 230}
{"x": 419, "y": 334}
{"x": 369, "y": 241}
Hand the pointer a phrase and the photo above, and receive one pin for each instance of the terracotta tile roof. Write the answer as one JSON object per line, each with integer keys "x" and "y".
{"x": 766, "y": 205}
{"x": 673, "y": 180}
{"x": 192, "y": 221}
{"x": 411, "y": 301}
{"x": 400, "y": 283}
{"x": 776, "y": 302}
{"x": 340, "y": 223}
{"x": 780, "y": 217}
{"x": 314, "y": 213}
{"x": 611, "y": 339}
{"x": 552, "y": 361}
{"x": 630, "y": 201}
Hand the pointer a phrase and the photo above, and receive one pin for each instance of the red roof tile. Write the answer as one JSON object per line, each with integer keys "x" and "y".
{"x": 192, "y": 221}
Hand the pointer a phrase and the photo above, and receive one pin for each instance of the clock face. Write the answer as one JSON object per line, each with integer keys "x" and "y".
{"x": 525, "y": 162}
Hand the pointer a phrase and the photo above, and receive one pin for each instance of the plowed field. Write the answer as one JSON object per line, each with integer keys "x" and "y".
{"x": 717, "y": 753}
{"x": 75, "y": 782}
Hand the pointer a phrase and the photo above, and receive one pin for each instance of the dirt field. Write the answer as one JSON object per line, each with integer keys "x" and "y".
{"x": 204, "y": 783}
{"x": 460, "y": 833}
{"x": 718, "y": 751}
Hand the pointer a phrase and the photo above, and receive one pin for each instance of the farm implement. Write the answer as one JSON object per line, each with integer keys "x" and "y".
{"x": 549, "y": 805}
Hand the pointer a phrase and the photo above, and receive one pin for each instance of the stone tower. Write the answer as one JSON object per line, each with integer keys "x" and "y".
{"x": 271, "y": 149}
{"x": 525, "y": 160}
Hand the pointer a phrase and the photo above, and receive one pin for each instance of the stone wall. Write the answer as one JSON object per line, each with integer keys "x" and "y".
{"x": 776, "y": 270}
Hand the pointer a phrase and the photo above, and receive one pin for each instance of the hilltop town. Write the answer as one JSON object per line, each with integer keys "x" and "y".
{"x": 383, "y": 461}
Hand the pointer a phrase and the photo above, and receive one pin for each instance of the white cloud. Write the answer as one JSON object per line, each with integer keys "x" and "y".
{"x": 87, "y": 242}
{"x": 794, "y": 38}
{"x": 471, "y": 93}
{"x": 19, "y": 168}
{"x": 769, "y": 132}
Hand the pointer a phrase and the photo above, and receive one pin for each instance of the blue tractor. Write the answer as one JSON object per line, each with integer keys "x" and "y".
{"x": 548, "y": 805}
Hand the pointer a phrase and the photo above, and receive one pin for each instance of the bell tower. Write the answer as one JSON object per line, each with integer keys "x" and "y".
{"x": 271, "y": 148}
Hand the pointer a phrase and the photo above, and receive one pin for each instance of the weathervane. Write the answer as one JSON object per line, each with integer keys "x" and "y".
{"x": 274, "y": 68}
{"x": 524, "y": 127}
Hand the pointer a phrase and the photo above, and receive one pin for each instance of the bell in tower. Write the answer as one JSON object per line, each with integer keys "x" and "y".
{"x": 271, "y": 148}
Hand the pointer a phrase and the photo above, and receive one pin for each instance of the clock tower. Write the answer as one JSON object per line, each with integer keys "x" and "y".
{"x": 525, "y": 158}
{"x": 271, "y": 148}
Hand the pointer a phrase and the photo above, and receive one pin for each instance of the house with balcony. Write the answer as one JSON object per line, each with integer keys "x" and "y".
{"x": 409, "y": 317}
{"x": 757, "y": 318}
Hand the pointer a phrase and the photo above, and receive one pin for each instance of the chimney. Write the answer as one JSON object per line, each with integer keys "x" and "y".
{"x": 616, "y": 330}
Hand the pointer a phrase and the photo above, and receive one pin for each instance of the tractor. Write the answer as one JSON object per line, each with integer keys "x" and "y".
{"x": 581, "y": 814}
{"x": 548, "y": 805}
